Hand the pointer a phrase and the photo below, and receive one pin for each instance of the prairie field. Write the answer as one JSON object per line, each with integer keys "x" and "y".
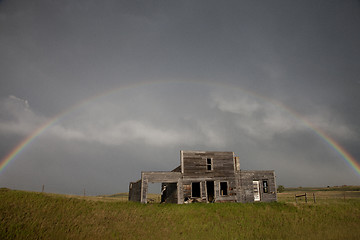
{"x": 335, "y": 214}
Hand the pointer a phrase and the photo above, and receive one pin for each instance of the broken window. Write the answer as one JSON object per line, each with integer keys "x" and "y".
{"x": 265, "y": 186}
{"x": 195, "y": 189}
{"x": 223, "y": 188}
{"x": 209, "y": 165}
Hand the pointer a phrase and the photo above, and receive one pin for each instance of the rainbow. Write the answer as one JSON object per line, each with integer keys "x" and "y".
{"x": 337, "y": 147}
{"x": 350, "y": 160}
{"x": 26, "y": 141}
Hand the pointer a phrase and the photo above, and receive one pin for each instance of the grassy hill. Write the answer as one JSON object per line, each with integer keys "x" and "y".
{"x": 30, "y": 215}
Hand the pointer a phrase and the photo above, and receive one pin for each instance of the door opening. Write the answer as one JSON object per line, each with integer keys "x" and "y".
{"x": 210, "y": 191}
{"x": 256, "y": 190}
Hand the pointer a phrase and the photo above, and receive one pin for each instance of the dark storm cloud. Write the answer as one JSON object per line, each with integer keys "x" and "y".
{"x": 57, "y": 53}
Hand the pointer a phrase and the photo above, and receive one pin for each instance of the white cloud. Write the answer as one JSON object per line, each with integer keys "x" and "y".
{"x": 250, "y": 117}
{"x": 17, "y": 117}
{"x": 129, "y": 131}
{"x": 260, "y": 120}
{"x": 327, "y": 122}
{"x": 237, "y": 104}
{"x": 210, "y": 134}
{"x": 67, "y": 133}
{"x": 24, "y": 102}
{"x": 148, "y": 133}
{"x": 266, "y": 119}
{"x": 104, "y": 130}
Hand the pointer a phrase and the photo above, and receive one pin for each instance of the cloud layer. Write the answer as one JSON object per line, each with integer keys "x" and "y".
{"x": 263, "y": 134}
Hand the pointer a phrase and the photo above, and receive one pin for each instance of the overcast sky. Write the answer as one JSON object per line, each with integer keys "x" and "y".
{"x": 157, "y": 77}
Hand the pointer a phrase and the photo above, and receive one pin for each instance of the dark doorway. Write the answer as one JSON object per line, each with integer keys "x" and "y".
{"x": 210, "y": 191}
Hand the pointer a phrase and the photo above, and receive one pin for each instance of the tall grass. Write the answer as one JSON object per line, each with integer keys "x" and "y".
{"x": 27, "y": 215}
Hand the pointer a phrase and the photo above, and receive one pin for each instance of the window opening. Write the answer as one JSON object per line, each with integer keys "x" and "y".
{"x": 265, "y": 186}
{"x": 209, "y": 165}
{"x": 195, "y": 189}
{"x": 223, "y": 188}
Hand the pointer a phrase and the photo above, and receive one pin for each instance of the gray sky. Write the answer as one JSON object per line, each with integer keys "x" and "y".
{"x": 177, "y": 75}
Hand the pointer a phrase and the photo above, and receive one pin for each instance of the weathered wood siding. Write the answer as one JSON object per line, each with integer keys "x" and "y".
{"x": 245, "y": 178}
{"x": 161, "y": 177}
{"x": 230, "y": 197}
{"x": 268, "y": 176}
{"x": 194, "y": 164}
{"x": 187, "y": 189}
{"x": 135, "y": 191}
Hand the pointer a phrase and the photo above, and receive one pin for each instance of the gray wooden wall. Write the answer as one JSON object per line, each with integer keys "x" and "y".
{"x": 194, "y": 164}
{"x": 135, "y": 191}
{"x": 245, "y": 180}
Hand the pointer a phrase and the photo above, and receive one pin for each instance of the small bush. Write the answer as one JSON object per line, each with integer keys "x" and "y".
{"x": 280, "y": 189}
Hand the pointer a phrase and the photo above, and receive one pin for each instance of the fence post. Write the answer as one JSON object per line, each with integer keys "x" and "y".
{"x": 305, "y": 198}
{"x": 314, "y": 197}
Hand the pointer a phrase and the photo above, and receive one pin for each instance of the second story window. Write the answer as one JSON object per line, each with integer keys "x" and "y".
{"x": 209, "y": 164}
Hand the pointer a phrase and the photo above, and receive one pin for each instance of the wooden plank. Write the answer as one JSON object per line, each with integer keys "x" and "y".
{"x": 162, "y": 177}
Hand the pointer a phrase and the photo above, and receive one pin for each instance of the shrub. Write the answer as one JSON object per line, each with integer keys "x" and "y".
{"x": 280, "y": 188}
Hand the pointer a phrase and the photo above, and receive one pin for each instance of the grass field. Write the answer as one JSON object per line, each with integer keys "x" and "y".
{"x": 30, "y": 215}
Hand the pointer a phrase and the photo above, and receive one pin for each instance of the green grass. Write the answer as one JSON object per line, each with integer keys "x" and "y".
{"x": 29, "y": 215}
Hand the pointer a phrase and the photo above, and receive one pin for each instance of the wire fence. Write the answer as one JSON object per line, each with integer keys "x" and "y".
{"x": 317, "y": 196}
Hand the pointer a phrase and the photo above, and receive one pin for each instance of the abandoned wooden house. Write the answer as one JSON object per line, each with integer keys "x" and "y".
{"x": 207, "y": 177}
